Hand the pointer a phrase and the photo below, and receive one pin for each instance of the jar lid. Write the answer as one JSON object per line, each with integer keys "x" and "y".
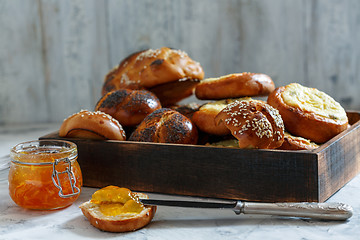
{"x": 43, "y": 152}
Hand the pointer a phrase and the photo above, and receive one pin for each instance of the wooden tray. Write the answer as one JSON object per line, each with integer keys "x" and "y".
{"x": 194, "y": 170}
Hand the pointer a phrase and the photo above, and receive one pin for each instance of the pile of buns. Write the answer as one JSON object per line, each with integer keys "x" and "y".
{"x": 140, "y": 102}
{"x": 141, "y": 98}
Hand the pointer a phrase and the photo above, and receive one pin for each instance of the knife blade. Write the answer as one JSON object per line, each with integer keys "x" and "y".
{"x": 190, "y": 204}
{"x": 323, "y": 211}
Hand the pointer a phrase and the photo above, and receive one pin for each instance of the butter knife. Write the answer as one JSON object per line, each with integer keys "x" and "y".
{"x": 323, "y": 211}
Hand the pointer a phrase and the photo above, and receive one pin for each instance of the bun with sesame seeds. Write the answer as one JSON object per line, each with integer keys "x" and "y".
{"x": 129, "y": 107}
{"x": 234, "y": 86}
{"x": 166, "y": 126}
{"x": 204, "y": 118}
{"x": 254, "y": 123}
{"x": 308, "y": 112}
{"x": 153, "y": 70}
{"x": 92, "y": 125}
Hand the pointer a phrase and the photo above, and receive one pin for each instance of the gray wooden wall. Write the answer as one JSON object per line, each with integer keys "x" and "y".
{"x": 54, "y": 54}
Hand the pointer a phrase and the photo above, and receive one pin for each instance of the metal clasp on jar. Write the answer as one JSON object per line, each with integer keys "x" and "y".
{"x": 75, "y": 190}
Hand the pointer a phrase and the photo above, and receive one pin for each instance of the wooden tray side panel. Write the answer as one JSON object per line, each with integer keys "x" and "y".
{"x": 253, "y": 175}
{"x": 339, "y": 162}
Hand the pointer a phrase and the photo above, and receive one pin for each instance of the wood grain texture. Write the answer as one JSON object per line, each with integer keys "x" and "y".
{"x": 339, "y": 159}
{"x": 247, "y": 174}
{"x": 54, "y": 54}
{"x": 21, "y": 63}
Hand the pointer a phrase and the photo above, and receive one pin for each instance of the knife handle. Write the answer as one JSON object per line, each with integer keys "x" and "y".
{"x": 326, "y": 211}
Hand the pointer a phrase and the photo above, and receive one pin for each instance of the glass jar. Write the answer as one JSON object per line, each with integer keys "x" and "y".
{"x": 44, "y": 174}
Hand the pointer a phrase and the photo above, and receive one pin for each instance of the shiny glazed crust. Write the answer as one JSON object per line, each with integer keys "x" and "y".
{"x": 254, "y": 123}
{"x": 234, "y": 86}
{"x": 92, "y": 125}
{"x": 117, "y": 223}
{"x": 165, "y": 126}
{"x": 129, "y": 107}
{"x": 297, "y": 143}
{"x": 173, "y": 92}
{"x": 305, "y": 124}
{"x": 204, "y": 118}
{"x": 147, "y": 69}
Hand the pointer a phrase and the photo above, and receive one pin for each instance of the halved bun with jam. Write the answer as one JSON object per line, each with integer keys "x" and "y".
{"x": 254, "y": 123}
{"x": 129, "y": 107}
{"x": 234, "y": 86}
{"x": 154, "y": 70}
{"x": 92, "y": 125}
{"x": 308, "y": 112}
{"x": 115, "y": 209}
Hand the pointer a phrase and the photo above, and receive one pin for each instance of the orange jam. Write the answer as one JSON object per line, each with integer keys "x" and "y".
{"x": 114, "y": 201}
{"x": 32, "y": 179}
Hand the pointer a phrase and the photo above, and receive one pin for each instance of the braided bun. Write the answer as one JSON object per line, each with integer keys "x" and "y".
{"x": 129, "y": 107}
{"x": 151, "y": 69}
{"x": 165, "y": 126}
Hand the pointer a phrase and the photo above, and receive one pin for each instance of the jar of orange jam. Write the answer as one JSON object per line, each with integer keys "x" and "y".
{"x": 44, "y": 174}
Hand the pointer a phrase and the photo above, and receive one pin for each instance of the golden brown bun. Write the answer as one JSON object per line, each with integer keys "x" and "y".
{"x": 297, "y": 143}
{"x": 129, "y": 107}
{"x": 173, "y": 92}
{"x": 151, "y": 68}
{"x": 234, "y": 86}
{"x": 166, "y": 126}
{"x": 92, "y": 125}
{"x": 120, "y": 223}
{"x": 204, "y": 119}
{"x": 312, "y": 114}
{"x": 254, "y": 123}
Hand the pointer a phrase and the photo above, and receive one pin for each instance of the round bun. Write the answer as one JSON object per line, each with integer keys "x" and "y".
{"x": 152, "y": 68}
{"x": 129, "y": 107}
{"x": 234, "y": 86}
{"x": 297, "y": 143}
{"x": 119, "y": 223}
{"x": 204, "y": 118}
{"x": 165, "y": 126}
{"x": 308, "y": 112}
{"x": 92, "y": 125}
{"x": 254, "y": 123}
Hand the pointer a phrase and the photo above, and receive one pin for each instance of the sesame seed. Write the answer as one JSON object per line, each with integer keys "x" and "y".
{"x": 150, "y": 53}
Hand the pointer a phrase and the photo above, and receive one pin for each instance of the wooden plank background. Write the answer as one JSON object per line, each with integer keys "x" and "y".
{"x": 54, "y": 54}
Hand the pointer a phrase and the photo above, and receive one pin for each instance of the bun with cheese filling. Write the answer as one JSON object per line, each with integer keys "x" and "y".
{"x": 308, "y": 112}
